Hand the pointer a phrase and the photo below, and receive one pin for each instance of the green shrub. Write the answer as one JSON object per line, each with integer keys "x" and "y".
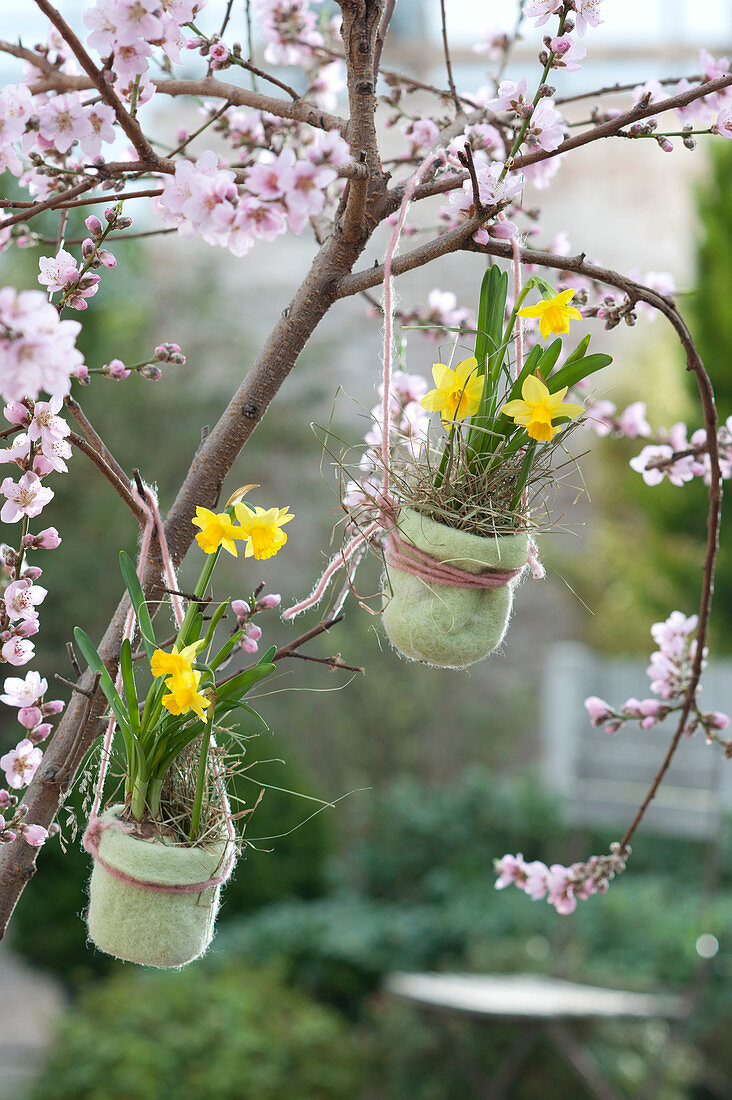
{"x": 216, "y": 1033}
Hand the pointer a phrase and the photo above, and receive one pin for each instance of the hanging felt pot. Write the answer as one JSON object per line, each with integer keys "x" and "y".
{"x": 451, "y": 591}
{"x": 152, "y": 902}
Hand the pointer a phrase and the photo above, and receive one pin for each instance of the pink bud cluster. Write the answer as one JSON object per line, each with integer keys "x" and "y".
{"x": 493, "y": 192}
{"x": 39, "y": 446}
{"x": 279, "y": 191}
{"x": 680, "y": 457}
{"x": 670, "y": 672}
{"x": 37, "y": 350}
{"x": 21, "y": 763}
{"x": 125, "y": 33}
{"x": 562, "y": 886}
{"x": 245, "y": 610}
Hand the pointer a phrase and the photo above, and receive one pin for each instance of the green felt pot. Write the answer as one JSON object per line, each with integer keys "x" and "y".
{"x": 441, "y": 625}
{"x": 146, "y": 926}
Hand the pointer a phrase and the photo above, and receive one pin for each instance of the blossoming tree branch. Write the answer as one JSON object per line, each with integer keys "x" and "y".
{"x": 448, "y": 500}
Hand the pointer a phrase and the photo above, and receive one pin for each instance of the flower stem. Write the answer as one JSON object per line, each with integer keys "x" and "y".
{"x": 200, "y": 590}
{"x": 202, "y": 768}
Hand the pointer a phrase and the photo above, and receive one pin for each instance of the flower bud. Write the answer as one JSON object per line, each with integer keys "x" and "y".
{"x": 17, "y": 413}
{"x": 240, "y": 608}
{"x": 48, "y": 539}
{"x": 273, "y": 600}
{"x": 94, "y": 226}
{"x": 117, "y": 369}
{"x": 53, "y": 706}
{"x": 153, "y": 374}
{"x": 39, "y": 733}
{"x": 30, "y": 717}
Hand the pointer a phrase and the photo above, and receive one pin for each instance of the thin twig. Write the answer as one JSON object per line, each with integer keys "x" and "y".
{"x": 104, "y": 468}
{"x": 448, "y": 61}
{"x": 289, "y": 649}
{"x": 94, "y": 437}
{"x": 50, "y": 203}
{"x": 332, "y": 662}
{"x": 110, "y": 197}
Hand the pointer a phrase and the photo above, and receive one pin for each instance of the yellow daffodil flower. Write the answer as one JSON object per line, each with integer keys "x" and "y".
{"x": 539, "y": 408}
{"x": 554, "y": 313}
{"x": 184, "y": 694}
{"x": 216, "y": 530}
{"x": 168, "y": 664}
{"x": 457, "y": 392}
{"x": 262, "y": 528}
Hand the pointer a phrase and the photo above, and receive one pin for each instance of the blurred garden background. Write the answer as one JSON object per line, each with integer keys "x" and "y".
{"x": 442, "y": 770}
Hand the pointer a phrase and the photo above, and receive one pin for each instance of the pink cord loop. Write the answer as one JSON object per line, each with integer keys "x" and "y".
{"x": 410, "y": 559}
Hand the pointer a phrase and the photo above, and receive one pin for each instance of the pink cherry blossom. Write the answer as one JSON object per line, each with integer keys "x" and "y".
{"x": 512, "y": 96}
{"x": 542, "y": 10}
{"x": 101, "y": 119}
{"x": 723, "y": 125}
{"x": 328, "y": 147}
{"x": 59, "y": 271}
{"x": 27, "y": 497}
{"x": 588, "y": 15}
{"x": 545, "y": 127}
{"x": 568, "y": 53}
{"x": 24, "y": 692}
{"x": 46, "y": 425}
{"x": 274, "y": 176}
{"x": 21, "y": 599}
{"x": 306, "y": 197}
{"x": 632, "y": 421}
{"x": 18, "y": 650}
{"x": 21, "y": 764}
{"x": 62, "y": 120}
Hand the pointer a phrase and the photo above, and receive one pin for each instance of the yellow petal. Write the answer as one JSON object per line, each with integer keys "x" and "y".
{"x": 570, "y": 409}
{"x": 515, "y": 408}
{"x": 434, "y": 401}
{"x": 465, "y": 369}
{"x": 443, "y": 376}
{"x": 533, "y": 311}
{"x": 555, "y": 399}
{"x": 533, "y": 390}
{"x": 564, "y": 297}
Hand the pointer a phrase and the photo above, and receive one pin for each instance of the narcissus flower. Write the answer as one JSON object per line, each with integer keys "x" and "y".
{"x": 216, "y": 530}
{"x": 539, "y": 408}
{"x": 184, "y": 694}
{"x": 262, "y": 528}
{"x": 457, "y": 392}
{"x": 170, "y": 664}
{"x": 554, "y": 313}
